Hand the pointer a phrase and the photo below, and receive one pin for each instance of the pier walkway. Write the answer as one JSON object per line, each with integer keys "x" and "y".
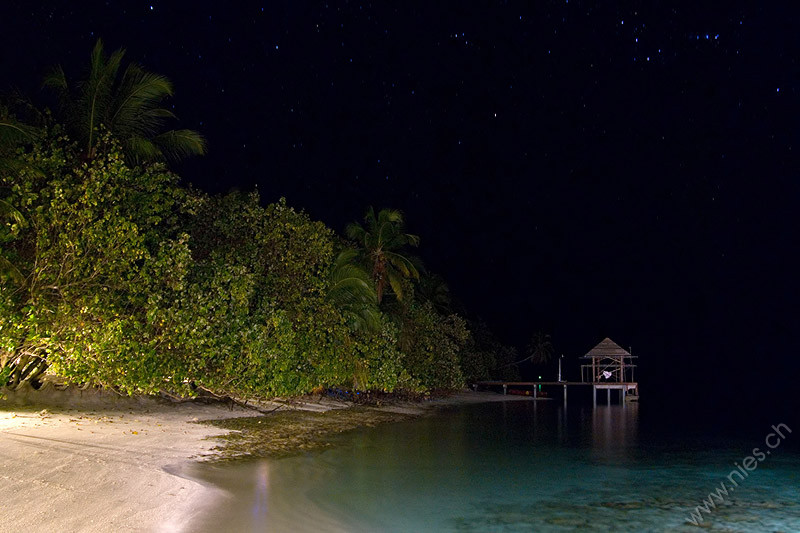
{"x": 624, "y": 387}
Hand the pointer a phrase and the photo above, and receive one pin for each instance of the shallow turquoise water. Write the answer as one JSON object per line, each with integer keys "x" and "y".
{"x": 515, "y": 466}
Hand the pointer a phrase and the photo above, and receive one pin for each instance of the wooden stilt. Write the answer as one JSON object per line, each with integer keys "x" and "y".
{"x": 623, "y": 388}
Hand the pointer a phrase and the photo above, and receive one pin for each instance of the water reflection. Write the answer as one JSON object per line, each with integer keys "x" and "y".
{"x": 615, "y": 431}
{"x": 261, "y": 493}
{"x": 522, "y": 466}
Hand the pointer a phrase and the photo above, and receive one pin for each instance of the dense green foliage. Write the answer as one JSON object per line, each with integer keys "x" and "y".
{"x": 113, "y": 274}
{"x": 86, "y": 260}
{"x": 485, "y": 357}
{"x": 127, "y": 280}
{"x": 431, "y": 345}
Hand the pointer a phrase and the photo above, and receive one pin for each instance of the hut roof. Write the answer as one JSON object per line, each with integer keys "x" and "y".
{"x": 608, "y": 348}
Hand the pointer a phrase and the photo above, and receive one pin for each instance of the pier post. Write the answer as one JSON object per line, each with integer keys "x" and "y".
{"x": 608, "y": 396}
{"x": 534, "y": 392}
{"x": 594, "y": 396}
{"x": 565, "y": 395}
{"x": 505, "y": 387}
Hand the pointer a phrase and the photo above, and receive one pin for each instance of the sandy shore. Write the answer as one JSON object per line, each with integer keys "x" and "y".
{"x": 118, "y": 468}
{"x": 103, "y": 471}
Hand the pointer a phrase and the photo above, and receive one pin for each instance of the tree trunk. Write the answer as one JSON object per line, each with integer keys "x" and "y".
{"x": 17, "y": 373}
{"x": 34, "y": 370}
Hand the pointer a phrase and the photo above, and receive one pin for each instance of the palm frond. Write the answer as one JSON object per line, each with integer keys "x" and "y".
{"x": 396, "y": 284}
{"x": 70, "y": 105}
{"x": 403, "y": 264}
{"x": 412, "y": 240}
{"x": 355, "y": 232}
{"x": 540, "y": 349}
{"x": 179, "y": 144}
{"x": 13, "y": 132}
{"x": 346, "y": 256}
{"x": 381, "y": 240}
{"x": 14, "y": 165}
{"x": 350, "y": 283}
{"x": 138, "y": 93}
{"x": 367, "y": 318}
{"x": 387, "y": 226}
{"x": 128, "y": 104}
{"x": 369, "y": 216}
{"x": 353, "y": 281}
{"x": 97, "y": 90}
{"x": 140, "y": 149}
{"x": 353, "y": 293}
{"x": 10, "y": 165}
{"x": 391, "y": 216}
{"x": 56, "y": 79}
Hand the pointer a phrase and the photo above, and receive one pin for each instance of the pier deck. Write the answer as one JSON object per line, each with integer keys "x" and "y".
{"x": 608, "y": 386}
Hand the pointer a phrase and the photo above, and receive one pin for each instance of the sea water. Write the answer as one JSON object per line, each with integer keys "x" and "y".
{"x": 520, "y": 466}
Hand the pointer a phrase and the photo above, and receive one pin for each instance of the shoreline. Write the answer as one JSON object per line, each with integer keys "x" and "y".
{"x": 103, "y": 463}
{"x": 104, "y": 469}
{"x": 310, "y": 426}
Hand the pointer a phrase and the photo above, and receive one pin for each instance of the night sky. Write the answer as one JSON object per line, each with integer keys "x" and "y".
{"x": 583, "y": 168}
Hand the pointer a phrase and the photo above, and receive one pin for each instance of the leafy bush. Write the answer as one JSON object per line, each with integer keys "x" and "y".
{"x": 84, "y": 255}
{"x": 430, "y": 347}
{"x": 123, "y": 278}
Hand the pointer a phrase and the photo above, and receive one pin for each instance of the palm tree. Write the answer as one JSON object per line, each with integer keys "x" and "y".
{"x": 381, "y": 241}
{"x": 128, "y": 107}
{"x": 352, "y": 292}
{"x": 540, "y": 349}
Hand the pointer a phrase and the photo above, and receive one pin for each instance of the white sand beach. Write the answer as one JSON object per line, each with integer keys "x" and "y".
{"x": 94, "y": 467}
{"x": 105, "y": 469}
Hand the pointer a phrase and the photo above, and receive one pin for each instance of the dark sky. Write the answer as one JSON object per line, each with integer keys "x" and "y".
{"x": 590, "y": 169}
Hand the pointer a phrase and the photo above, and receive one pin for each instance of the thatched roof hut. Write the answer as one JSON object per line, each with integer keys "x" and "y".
{"x": 609, "y": 362}
{"x": 607, "y": 348}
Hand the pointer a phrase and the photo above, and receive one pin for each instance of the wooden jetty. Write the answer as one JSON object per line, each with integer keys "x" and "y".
{"x": 608, "y": 367}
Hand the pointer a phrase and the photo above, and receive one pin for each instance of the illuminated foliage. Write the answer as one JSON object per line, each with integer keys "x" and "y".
{"x": 112, "y": 274}
{"x": 127, "y": 280}
{"x": 83, "y": 259}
